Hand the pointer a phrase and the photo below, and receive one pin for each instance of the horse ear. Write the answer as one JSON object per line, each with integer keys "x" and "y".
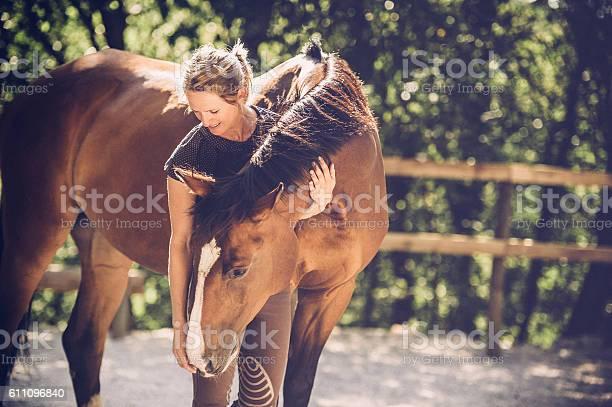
{"x": 198, "y": 183}
{"x": 267, "y": 203}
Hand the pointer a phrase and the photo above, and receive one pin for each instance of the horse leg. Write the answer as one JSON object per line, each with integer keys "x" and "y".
{"x": 315, "y": 317}
{"x": 104, "y": 279}
{"x": 33, "y": 228}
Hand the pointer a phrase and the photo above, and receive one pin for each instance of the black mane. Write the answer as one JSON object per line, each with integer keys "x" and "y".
{"x": 318, "y": 124}
{"x": 313, "y": 50}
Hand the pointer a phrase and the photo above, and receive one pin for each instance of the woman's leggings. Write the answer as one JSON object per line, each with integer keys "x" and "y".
{"x": 261, "y": 362}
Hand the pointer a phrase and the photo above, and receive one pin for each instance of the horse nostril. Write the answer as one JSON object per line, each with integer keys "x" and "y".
{"x": 208, "y": 367}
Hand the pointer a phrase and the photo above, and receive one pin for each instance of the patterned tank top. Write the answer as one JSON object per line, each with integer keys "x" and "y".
{"x": 217, "y": 156}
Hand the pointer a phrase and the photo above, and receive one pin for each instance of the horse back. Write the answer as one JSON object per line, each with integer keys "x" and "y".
{"x": 49, "y": 126}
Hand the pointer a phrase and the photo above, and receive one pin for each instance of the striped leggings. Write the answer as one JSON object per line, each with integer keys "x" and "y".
{"x": 261, "y": 368}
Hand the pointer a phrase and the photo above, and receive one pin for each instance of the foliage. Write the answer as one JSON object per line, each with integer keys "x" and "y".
{"x": 535, "y": 102}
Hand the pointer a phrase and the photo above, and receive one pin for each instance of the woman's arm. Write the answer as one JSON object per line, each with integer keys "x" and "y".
{"x": 321, "y": 187}
{"x": 179, "y": 262}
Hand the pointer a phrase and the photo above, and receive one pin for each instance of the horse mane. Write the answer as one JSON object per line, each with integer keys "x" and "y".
{"x": 317, "y": 124}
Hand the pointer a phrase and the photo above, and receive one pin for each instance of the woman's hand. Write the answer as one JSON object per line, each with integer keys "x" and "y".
{"x": 321, "y": 187}
{"x": 178, "y": 348}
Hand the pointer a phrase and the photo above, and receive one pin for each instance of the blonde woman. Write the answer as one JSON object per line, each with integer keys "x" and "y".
{"x": 216, "y": 85}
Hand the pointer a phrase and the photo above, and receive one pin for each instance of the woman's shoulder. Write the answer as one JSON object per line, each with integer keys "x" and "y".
{"x": 194, "y": 135}
{"x": 186, "y": 152}
{"x": 191, "y": 140}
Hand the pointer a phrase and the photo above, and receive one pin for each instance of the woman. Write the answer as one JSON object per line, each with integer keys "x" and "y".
{"x": 216, "y": 86}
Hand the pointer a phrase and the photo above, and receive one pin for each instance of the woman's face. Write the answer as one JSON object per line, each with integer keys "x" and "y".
{"x": 219, "y": 116}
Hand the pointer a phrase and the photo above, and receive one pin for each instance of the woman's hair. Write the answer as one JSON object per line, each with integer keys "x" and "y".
{"x": 220, "y": 71}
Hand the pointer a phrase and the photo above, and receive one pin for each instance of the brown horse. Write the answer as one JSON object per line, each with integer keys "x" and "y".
{"x": 106, "y": 125}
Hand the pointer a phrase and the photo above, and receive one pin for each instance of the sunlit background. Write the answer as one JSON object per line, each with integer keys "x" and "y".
{"x": 542, "y": 96}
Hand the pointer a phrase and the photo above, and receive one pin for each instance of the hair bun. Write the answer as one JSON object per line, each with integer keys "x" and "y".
{"x": 239, "y": 50}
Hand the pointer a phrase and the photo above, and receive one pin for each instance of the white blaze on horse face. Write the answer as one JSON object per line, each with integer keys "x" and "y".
{"x": 195, "y": 340}
{"x": 209, "y": 254}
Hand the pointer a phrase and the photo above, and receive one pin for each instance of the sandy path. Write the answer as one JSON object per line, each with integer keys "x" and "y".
{"x": 360, "y": 368}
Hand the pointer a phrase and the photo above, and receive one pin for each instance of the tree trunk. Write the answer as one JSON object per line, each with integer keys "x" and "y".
{"x": 557, "y": 158}
{"x": 589, "y": 315}
{"x": 114, "y": 23}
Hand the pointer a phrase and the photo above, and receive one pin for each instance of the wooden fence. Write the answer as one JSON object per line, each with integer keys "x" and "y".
{"x": 62, "y": 278}
{"x": 502, "y": 245}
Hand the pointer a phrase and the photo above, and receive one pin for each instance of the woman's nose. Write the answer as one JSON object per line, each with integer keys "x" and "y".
{"x": 206, "y": 120}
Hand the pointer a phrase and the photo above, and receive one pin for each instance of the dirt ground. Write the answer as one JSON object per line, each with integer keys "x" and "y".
{"x": 359, "y": 367}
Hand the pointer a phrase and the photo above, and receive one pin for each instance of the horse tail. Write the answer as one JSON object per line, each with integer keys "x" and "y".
{"x": 22, "y": 351}
{"x": 10, "y": 352}
{"x": 4, "y": 119}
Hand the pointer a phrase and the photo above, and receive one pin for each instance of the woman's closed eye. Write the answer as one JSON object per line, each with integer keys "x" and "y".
{"x": 199, "y": 114}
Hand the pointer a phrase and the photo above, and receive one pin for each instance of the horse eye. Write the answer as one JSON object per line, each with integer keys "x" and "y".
{"x": 236, "y": 272}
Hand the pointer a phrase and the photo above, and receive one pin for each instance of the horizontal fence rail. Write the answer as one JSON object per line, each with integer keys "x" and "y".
{"x": 64, "y": 278}
{"x": 462, "y": 245}
{"x": 511, "y": 173}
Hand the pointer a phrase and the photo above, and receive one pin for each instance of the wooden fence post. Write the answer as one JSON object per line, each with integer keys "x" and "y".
{"x": 120, "y": 326}
{"x": 496, "y": 290}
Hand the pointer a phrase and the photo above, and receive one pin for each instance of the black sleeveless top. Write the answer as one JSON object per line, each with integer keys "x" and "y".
{"x": 217, "y": 156}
